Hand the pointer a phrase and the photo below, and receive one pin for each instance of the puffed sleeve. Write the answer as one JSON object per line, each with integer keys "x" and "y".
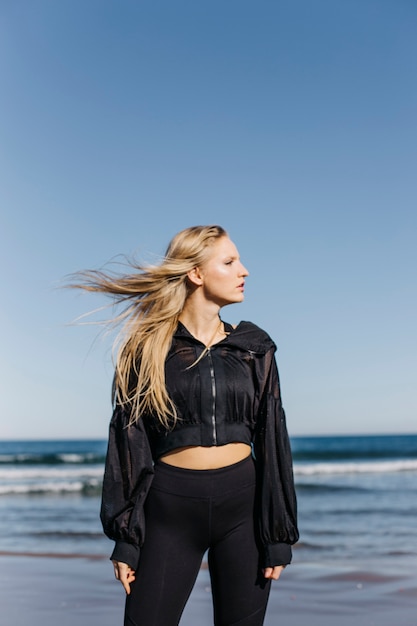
{"x": 277, "y": 498}
{"x": 127, "y": 478}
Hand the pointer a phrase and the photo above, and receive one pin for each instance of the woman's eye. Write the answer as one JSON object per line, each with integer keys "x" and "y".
{"x": 228, "y": 262}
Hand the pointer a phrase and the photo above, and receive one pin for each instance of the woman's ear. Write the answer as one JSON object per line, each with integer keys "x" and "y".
{"x": 195, "y": 276}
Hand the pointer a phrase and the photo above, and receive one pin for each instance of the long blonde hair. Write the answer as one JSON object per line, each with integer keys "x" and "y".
{"x": 154, "y": 297}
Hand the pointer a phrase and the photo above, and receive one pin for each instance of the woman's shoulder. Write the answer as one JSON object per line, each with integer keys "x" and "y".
{"x": 251, "y": 337}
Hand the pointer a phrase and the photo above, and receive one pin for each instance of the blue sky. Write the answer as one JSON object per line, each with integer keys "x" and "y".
{"x": 291, "y": 123}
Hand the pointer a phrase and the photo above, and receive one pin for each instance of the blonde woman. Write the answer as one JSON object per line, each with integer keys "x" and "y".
{"x": 198, "y": 456}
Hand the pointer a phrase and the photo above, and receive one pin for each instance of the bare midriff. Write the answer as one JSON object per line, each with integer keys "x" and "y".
{"x": 201, "y": 458}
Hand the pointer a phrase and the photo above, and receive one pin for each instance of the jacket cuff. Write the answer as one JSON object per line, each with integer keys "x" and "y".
{"x": 277, "y": 554}
{"x": 126, "y": 553}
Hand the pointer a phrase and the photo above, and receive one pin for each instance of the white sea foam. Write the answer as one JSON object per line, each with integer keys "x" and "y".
{"x": 72, "y": 458}
{"x": 26, "y": 480}
{"x": 46, "y": 487}
{"x": 375, "y": 467}
{"x": 76, "y": 458}
{"x": 33, "y": 473}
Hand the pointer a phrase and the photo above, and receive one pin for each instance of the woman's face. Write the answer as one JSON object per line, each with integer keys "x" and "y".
{"x": 222, "y": 276}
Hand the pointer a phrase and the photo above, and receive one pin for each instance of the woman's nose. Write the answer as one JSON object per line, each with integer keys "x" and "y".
{"x": 244, "y": 271}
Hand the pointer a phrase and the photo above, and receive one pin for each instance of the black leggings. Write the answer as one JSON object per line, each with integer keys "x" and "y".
{"x": 187, "y": 513}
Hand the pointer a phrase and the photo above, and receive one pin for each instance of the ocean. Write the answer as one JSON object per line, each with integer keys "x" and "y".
{"x": 357, "y": 498}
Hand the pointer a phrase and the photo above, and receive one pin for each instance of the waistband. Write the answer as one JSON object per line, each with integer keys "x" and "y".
{"x": 203, "y": 483}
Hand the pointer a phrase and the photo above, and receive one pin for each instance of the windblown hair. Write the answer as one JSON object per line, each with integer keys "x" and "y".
{"x": 154, "y": 297}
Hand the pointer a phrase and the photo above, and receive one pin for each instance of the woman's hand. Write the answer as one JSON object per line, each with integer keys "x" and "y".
{"x": 273, "y": 572}
{"x": 124, "y": 573}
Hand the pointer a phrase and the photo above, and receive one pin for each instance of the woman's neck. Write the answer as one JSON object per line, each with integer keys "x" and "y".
{"x": 206, "y": 326}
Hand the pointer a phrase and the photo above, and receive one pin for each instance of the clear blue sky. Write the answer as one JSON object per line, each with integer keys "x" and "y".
{"x": 291, "y": 123}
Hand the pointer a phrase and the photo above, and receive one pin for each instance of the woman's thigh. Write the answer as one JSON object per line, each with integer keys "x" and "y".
{"x": 240, "y": 592}
{"x": 170, "y": 560}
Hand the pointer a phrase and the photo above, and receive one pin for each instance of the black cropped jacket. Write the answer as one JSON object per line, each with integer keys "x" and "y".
{"x": 231, "y": 395}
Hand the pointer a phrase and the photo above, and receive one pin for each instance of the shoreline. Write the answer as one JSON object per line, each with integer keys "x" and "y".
{"x": 36, "y": 588}
{"x": 54, "y": 555}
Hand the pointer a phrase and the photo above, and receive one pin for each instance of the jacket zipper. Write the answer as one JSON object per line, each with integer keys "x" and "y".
{"x": 213, "y": 395}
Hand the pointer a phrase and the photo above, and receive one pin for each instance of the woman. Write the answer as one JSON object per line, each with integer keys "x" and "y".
{"x": 198, "y": 457}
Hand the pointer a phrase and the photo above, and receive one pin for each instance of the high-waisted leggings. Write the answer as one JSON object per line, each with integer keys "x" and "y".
{"x": 190, "y": 512}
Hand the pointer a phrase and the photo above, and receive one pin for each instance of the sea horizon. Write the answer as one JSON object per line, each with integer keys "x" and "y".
{"x": 292, "y": 436}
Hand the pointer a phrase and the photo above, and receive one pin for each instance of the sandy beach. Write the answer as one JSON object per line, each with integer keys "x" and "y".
{"x": 46, "y": 591}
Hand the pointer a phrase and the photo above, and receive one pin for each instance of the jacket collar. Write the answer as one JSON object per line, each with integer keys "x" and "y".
{"x": 245, "y": 336}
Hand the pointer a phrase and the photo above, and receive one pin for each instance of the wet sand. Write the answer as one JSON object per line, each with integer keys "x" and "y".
{"x": 81, "y": 591}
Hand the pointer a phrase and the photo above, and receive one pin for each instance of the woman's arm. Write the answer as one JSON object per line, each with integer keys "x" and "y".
{"x": 277, "y": 499}
{"x": 127, "y": 478}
